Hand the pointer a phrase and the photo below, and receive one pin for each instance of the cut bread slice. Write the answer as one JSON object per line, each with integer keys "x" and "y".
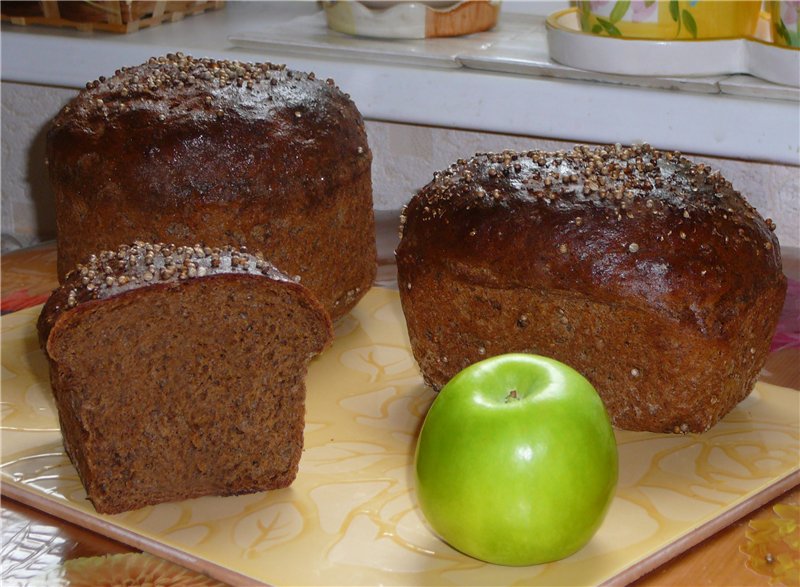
{"x": 178, "y": 376}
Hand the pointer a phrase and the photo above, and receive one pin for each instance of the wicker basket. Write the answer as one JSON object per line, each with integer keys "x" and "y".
{"x": 124, "y": 16}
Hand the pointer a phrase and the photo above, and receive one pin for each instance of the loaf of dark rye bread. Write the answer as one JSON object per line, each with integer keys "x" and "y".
{"x": 180, "y": 372}
{"x": 650, "y": 275}
{"x": 190, "y": 150}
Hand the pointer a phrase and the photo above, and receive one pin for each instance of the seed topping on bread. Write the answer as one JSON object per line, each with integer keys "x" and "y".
{"x": 625, "y": 182}
{"x": 176, "y": 70}
{"x": 140, "y": 263}
{"x": 179, "y": 86}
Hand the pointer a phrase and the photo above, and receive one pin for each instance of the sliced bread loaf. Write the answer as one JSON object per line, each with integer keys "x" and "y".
{"x": 180, "y": 372}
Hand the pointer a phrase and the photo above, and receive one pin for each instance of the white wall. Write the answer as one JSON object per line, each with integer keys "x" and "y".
{"x": 27, "y": 202}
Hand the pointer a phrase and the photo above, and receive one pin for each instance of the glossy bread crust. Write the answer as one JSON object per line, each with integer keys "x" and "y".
{"x": 192, "y": 150}
{"x": 649, "y": 274}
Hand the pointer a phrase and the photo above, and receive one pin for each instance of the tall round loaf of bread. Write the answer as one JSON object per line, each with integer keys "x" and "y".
{"x": 650, "y": 275}
{"x": 192, "y": 150}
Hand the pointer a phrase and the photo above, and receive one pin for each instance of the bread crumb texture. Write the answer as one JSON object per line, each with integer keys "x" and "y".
{"x": 180, "y": 372}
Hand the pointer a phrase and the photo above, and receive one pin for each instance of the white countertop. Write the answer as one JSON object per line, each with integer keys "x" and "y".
{"x": 517, "y": 90}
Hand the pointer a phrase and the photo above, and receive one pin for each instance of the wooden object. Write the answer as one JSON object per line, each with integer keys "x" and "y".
{"x": 123, "y": 16}
{"x": 464, "y": 19}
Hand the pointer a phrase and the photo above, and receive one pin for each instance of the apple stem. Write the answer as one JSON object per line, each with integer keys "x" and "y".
{"x": 512, "y": 395}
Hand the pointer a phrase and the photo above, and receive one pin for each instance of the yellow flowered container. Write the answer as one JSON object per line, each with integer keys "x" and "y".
{"x": 785, "y": 16}
{"x": 670, "y": 19}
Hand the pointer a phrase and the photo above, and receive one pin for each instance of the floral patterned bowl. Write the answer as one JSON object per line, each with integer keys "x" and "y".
{"x": 670, "y": 19}
{"x": 785, "y": 22}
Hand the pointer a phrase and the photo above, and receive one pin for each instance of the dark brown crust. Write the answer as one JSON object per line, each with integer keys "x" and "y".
{"x": 641, "y": 251}
{"x": 198, "y": 150}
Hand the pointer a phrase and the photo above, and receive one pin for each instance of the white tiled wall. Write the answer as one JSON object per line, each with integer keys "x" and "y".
{"x": 405, "y": 158}
{"x": 27, "y": 202}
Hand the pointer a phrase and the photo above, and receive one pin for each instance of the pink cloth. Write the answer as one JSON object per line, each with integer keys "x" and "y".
{"x": 787, "y": 335}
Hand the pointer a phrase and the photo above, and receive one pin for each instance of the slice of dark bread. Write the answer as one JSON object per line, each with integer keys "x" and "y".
{"x": 180, "y": 372}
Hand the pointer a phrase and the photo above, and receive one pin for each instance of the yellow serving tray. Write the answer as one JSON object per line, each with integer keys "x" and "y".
{"x": 351, "y": 517}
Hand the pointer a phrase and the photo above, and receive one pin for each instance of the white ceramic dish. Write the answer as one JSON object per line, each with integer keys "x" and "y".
{"x": 569, "y": 45}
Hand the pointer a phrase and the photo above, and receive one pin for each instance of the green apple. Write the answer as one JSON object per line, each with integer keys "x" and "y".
{"x": 516, "y": 462}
